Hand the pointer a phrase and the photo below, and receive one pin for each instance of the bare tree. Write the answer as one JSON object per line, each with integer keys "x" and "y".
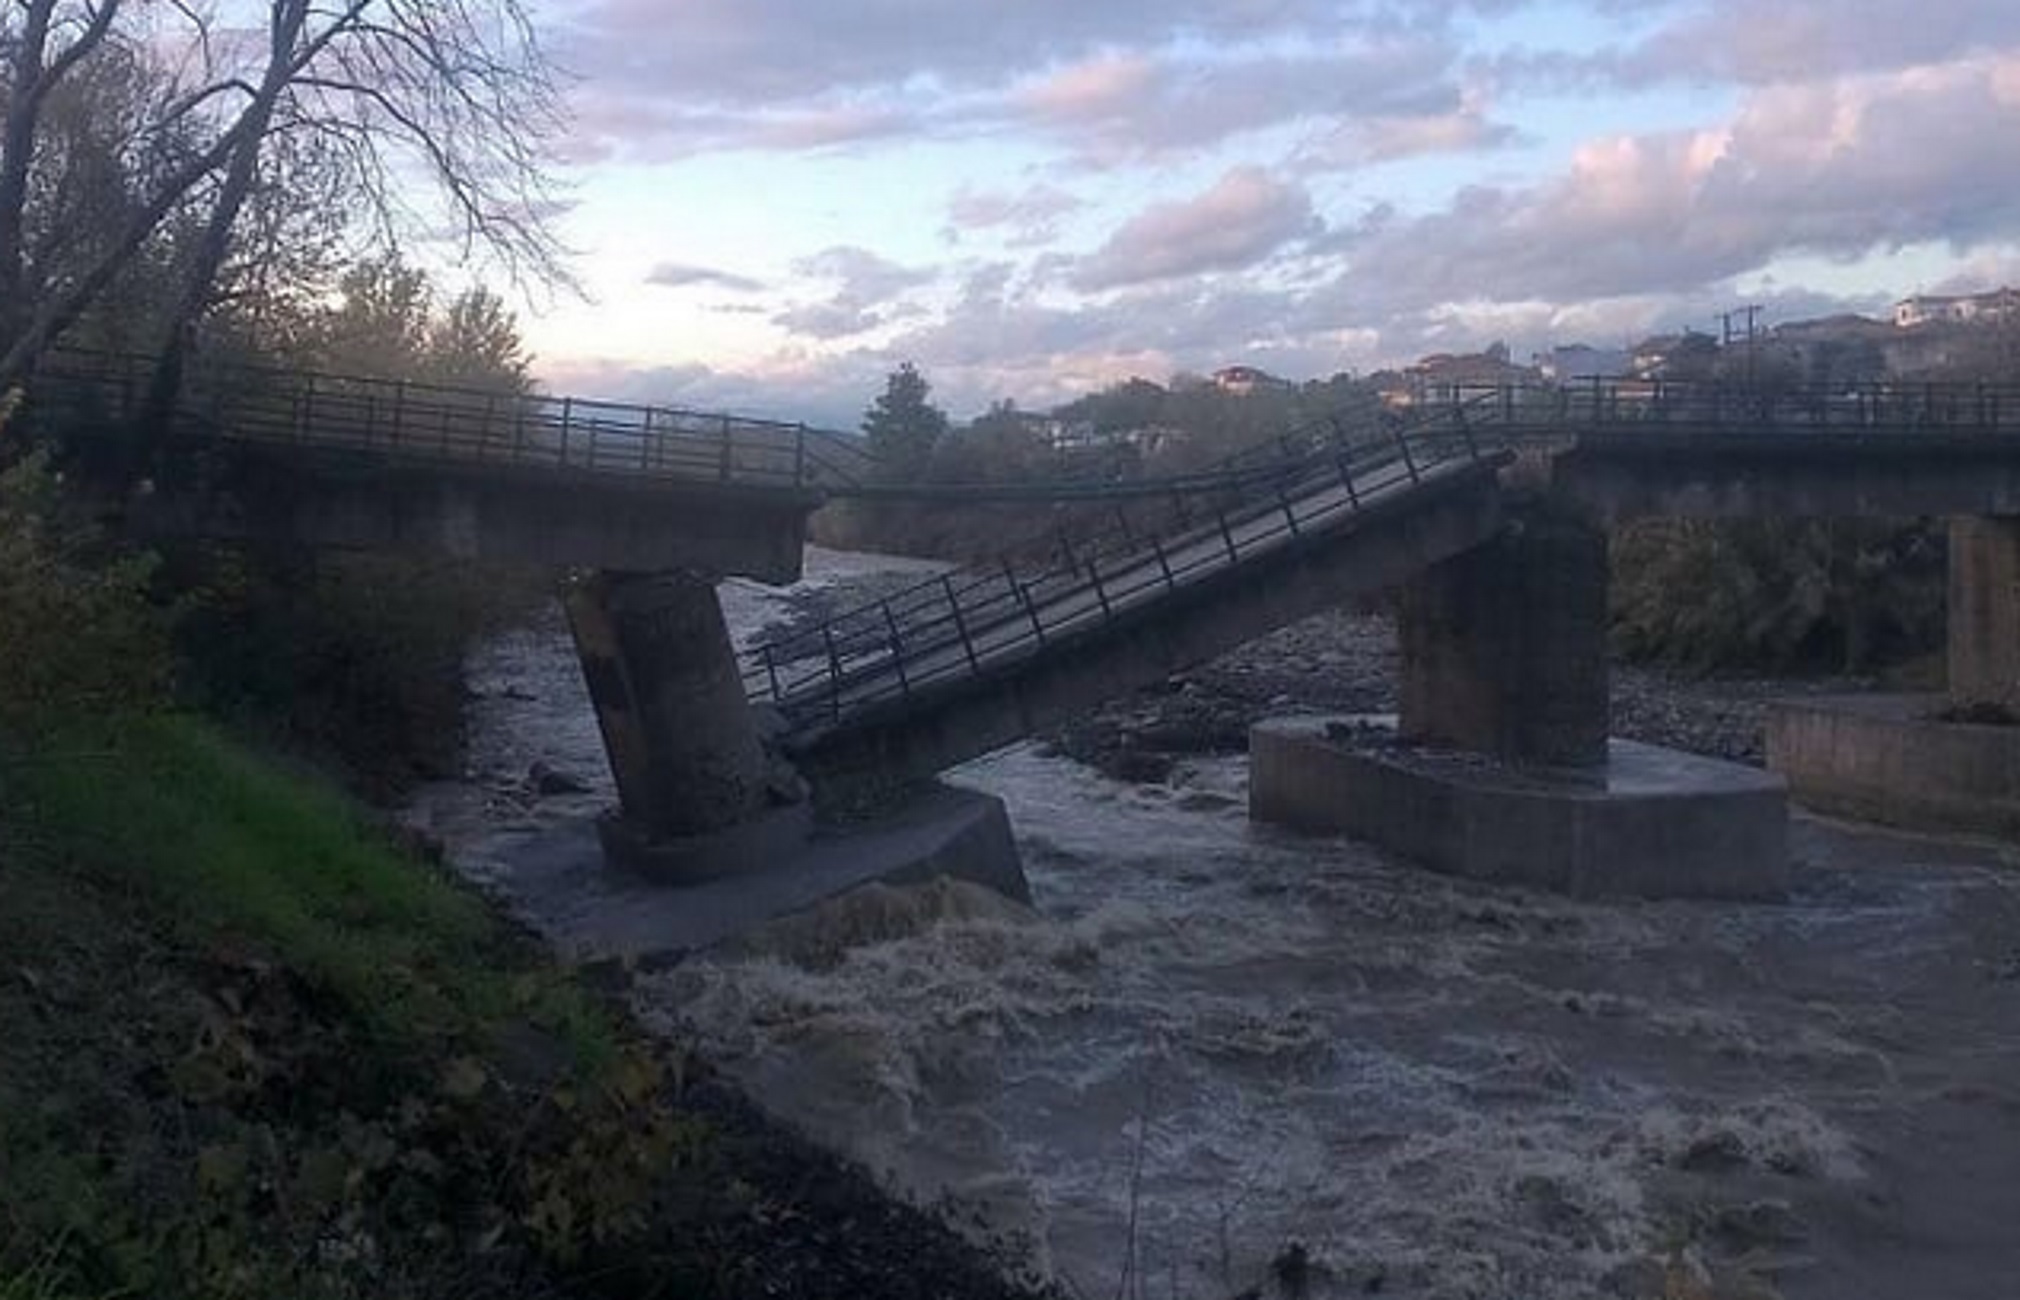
{"x": 439, "y": 113}
{"x": 44, "y": 42}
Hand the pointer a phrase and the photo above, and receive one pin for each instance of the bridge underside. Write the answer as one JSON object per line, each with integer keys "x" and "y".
{"x": 354, "y": 501}
{"x": 1622, "y": 476}
{"x": 944, "y": 726}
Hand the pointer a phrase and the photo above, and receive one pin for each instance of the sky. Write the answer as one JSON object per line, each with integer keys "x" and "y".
{"x": 774, "y": 202}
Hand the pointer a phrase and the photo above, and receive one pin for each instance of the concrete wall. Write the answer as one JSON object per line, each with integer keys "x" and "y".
{"x": 1505, "y": 646}
{"x": 602, "y": 522}
{"x": 1984, "y": 624}
{"x": 1887, "y": 759}
{"x": 947, "y": 725}
{"x": 1617, "y": 476}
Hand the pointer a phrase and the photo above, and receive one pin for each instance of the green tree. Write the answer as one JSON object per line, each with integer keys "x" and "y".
{"x": 382, "y": 325}
{"x": 476, "y": 344}
{"x": 903, "y": 426}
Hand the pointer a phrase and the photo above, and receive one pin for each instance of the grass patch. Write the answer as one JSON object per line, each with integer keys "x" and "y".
{"x": 249, "y": 1049}
{"x": 228, "y": 848}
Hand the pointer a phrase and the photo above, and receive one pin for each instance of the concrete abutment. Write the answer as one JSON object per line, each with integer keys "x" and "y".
{"x": 1927, "y": 762}
{"x": 1984, "y": 624}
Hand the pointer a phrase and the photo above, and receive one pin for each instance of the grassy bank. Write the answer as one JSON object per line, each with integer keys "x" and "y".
{"x": 248, "y": 1048}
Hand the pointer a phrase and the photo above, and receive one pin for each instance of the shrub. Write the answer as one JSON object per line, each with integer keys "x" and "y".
{"x": 81, "y": 630}
{"x": 1776, "y": 595}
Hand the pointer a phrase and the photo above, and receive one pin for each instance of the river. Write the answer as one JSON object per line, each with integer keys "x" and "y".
{"x": 1213, "y": 1055}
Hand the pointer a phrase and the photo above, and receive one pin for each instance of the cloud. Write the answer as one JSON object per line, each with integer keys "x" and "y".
{"x": 1114, "y": 81}
{"x": 1241, "y": 221}
{"x": 1755, "y": 44}
{"x": 1358, "y": 141}
{"x": 679, "y": 275}
{"x": 1032, "y": 215}
{"x": 868, "y": 293}
{"x": 1835, "y": 169}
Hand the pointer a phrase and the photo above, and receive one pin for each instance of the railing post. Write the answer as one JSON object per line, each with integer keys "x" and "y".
{"x": 723, "y": 472}
{"x": 1346, "y": 468}
{"x": 1024, "y": 599}
{"x": 897, "y": 643}
{"x": 1100, "y": 592}
{"x": 800, "y": 455}
{"x": 1290, "y": 515}
{"x": 1227, "y": 536}
{"x": 567, "y": 419}
{"x": 960, "y": 623}
{"x": 834, "y": 670}
{"x": 1409, "y": 457}
{"x": 399, "y": 411}
{"x": 771, "y": 670}
{"x": 1164, "y": 563}
{"x": 1066, "y": 550}
{"x": 308, "y": 408}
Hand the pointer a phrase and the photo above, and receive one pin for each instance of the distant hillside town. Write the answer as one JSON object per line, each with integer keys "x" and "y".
{"x": 1925, "y": 338}
{"x": 1928, "y": 337}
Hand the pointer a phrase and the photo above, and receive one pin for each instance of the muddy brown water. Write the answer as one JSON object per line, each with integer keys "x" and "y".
{"x": 1209, "y": 1041}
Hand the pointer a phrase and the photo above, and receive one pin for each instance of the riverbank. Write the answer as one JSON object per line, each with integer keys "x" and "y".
{"x": 254, "y": 1047}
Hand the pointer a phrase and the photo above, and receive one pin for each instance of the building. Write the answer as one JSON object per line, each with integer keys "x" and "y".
{"x": 1690, "y": 357}
{"x": 1240, "y": 381}
{"x": 1577, "y": 361}
{"x": 1448, "y": 377}
{"x": 1965, "y": 309}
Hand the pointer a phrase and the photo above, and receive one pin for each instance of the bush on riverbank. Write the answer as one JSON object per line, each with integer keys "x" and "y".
{"x": 1778, "y": 595}
{"x": 356, "y": 659}
{"x": 80, "y": 628}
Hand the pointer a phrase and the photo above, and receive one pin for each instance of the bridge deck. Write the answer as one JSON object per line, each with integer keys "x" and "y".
{"x": 446, "y": 428}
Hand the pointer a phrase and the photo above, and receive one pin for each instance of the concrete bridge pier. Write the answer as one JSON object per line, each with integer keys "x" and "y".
{"x": 1504, "y": 647}
{"x": 1930, "y": 762}
{"x": 706, "y": 808}
{"x": 698, "y": 792}
{"x": 1500, "y": 766}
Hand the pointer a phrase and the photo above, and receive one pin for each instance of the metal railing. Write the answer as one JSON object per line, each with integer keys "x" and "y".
{"x": 439, "y": 425}
{"x": 1565, "y": 410}
{"x": 961, "y": 625}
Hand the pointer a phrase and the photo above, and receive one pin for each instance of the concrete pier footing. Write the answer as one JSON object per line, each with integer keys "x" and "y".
{"x": 1892, "y": 759}
{"x": 591, "y": 911}
{"x": 1648, "y": 823}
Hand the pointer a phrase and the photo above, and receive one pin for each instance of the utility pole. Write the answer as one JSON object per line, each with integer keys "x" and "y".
{"x": 1727, "y": 334}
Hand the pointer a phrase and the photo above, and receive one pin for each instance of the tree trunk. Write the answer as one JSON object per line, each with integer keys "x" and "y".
{"x": 289, "y": 18}
{"x": 17, "y": 151}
